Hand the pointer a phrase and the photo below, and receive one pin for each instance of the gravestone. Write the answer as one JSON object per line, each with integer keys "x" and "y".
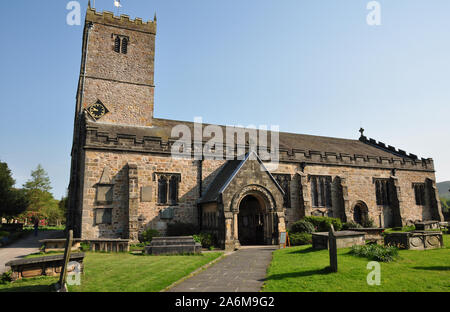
{"x": 332, "y": 247}
{"x": 62, "y": 287}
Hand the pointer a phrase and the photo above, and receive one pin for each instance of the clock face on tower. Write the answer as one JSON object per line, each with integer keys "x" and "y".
{"x": 97, "y": 110}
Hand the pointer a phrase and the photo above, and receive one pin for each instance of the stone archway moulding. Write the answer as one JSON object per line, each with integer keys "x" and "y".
{"x": 253, "y": 190}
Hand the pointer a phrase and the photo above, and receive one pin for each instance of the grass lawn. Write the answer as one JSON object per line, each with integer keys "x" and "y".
{"x": 302, "y": 269}
{"x": 122, "y": 272}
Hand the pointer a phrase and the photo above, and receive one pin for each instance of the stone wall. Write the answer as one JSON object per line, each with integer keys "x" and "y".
{"x": 124, "y": 83}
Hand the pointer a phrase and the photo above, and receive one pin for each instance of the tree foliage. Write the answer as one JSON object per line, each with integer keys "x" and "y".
{"x": 12, "y": 201}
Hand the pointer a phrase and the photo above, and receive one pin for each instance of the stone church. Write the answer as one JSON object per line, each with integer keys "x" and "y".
{"x": 124, "y": 179}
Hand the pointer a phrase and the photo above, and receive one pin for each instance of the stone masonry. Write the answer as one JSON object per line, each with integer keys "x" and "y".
{"x": 117, "y": 160}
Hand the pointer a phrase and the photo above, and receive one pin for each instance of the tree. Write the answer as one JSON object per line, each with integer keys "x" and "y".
{"x": 39, "y": 180}
{"x": 12, "y": 201}
{"x": 6, "y": 183}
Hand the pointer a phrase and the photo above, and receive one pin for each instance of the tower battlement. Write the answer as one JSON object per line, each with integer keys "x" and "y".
{"x": 123, "y": 21}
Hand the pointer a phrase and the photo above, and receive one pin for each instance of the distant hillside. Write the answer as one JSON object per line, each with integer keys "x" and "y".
{"x": 443, "y": 188}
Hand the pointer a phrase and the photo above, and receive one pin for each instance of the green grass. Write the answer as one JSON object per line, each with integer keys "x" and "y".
{"x": 302, "y": 269}
{"x": 123, "y": 272}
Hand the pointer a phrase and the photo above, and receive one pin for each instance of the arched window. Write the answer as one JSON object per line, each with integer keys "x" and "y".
{"x": 117, "y": 44}
{"x": 124, "y": 46}
{"x": 162, "y": 190}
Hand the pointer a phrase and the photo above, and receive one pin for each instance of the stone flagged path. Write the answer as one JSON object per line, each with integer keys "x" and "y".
{"x": 242, "y": 271}
{"x": 24, "y": 247}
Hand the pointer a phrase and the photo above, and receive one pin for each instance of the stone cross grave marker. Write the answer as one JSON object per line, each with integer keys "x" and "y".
{"x": 332, "y": 247}
{"x": 62, "y": 287}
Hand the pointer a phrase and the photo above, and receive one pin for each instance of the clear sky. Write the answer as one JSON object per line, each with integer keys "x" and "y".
{"x": 313, "y": 67}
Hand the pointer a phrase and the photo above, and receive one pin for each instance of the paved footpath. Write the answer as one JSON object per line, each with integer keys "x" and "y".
{"x": 24, "y": 247}
{"x": 242, "y": 271}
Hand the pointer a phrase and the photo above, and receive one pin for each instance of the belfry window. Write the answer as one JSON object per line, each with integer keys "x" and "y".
{"x": 419, "y": 192}
{"x": 168, "y": 188}
{"x": 382, "y": 192}
{"x": 121, "y": 44}
{"x": 321, "y": 191}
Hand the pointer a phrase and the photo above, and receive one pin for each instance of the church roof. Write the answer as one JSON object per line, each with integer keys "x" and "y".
{"x": 299, "y": 148}
{"x": 226, "y": 175}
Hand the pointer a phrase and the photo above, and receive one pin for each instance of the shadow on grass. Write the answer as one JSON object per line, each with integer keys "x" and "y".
{"x": 433, "y": 268}
{"x": 304, "y": 251}
{"x": 33, "y": 288}
{"x": 324, "y": 271}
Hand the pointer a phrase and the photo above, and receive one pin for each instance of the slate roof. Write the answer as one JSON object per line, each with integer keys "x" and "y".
{"x": 162, "y": 128}
{"x": 226, "y": 175}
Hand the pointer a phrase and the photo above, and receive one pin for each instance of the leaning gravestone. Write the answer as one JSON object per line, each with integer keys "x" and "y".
{"x": 61, "y": 286}
{"x": 332, "y": 247}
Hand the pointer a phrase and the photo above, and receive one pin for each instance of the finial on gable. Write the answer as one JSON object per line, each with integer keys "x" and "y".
{"x": 154, "y": 18}
{"x": 89, "y": 4}
{"x": 362, "y": 131}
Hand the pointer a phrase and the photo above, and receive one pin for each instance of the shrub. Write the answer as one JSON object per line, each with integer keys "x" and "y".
{"x": 147, "y": 235}
{"x": 85, "y": 246}
{"x": 302, "y": 226}
{"x": 323, "y": 224}
{"x": 375, "y": 252}
{"x": 298, "y": 239}
{"x": 369, "y": 223}
{"x": 4, "y": 234}
{"x": 6, "y": 278}
{"x": 181, "y": 229}
{"x": 206, "y": 239}
{"x": 351, "y": 225}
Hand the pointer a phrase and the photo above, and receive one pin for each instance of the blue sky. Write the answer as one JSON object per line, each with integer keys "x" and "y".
{"x": 312, "y": 67}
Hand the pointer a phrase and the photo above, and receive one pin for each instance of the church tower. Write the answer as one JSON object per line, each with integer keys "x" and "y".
{"x": 116, "y": 83}
{"x": 115, "y": 87}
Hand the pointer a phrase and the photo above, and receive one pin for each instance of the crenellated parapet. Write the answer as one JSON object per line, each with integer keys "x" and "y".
{"x": 124, "y": 21}
{"x": 389, "y": 148}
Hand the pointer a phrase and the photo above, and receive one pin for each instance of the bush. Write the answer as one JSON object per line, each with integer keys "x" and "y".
{"x": 85, "y": 246}
{"x": 375, "y": 252}
{"x": 369, "y": 223}
{"x": 181, "y": 229}
{"x": 147, "y": 235}
{"x": 4, "y": 234}
{"x": 323, "y": 224}
{"x": 6, "y": 278}
{"x": 298, "y": 239}
{"x": 206, "y": 239}
{"x": 302, "y": 226}
{"x": 351, "y": 225}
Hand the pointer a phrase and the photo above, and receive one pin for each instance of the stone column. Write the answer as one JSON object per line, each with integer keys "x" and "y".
{"x": 229, "y": 239}
{"x": 306, "y": 194}
{"x": 236, "y": 226}
{"x": 346, "y": 209}
{"x": 133, "y": 203}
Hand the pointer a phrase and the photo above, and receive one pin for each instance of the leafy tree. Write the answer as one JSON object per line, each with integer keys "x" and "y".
{"x": 12, "y": 201}
{"x": 6, "y": 183}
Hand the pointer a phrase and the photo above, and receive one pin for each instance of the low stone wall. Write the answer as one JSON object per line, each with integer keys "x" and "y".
{"x": 173, "y": 246}
{"x": 42, "y": 266}
{"x": 108, "y": 245}
{"x": 344, "y": 239}
{"x": 417, "y": 240}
